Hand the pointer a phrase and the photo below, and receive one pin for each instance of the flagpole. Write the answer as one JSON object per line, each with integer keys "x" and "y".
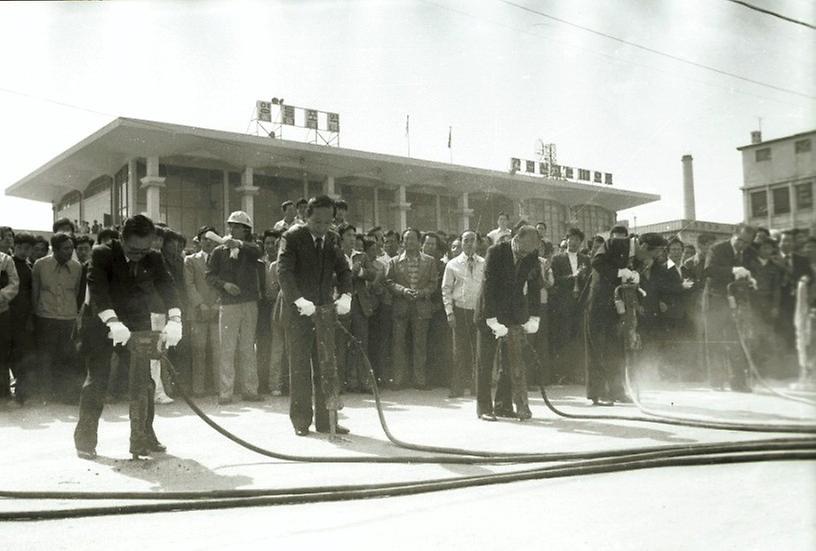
{"x": 408, "y": 132}
{"x": 450, "y": 147}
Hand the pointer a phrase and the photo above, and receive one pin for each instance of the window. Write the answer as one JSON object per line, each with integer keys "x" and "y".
{"x": 763, "y": 154}
{"x": 804, "y": 196}
{"x": 781, "y": 200}
{"x": 802, "y": 146}
{"x": 759, "y": 204}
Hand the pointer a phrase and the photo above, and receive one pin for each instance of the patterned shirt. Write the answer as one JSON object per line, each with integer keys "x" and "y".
{"x": 412, "y": 269}
{"x": 462, "y": 282}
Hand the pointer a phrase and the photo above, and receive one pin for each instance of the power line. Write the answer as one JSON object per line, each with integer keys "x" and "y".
{"x": 773, "y": 13}
{"x": 659, "y": 52}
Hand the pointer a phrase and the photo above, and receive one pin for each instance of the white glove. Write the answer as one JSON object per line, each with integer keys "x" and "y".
{"x": 498, "y": 329}
{"x": 688, "y": 284}
{"x": 305, "y": 307}
{"x": 343, "y": 304}
{"x": 172, "y": 333}
{"x": 740, "y": 272}
{"x": 531, "y": 327}
{"x": 119, "y": 334}
{"x": 628, "y": 276}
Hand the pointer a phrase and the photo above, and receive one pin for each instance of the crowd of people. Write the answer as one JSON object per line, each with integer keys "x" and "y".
{"x": 425, "y": 308}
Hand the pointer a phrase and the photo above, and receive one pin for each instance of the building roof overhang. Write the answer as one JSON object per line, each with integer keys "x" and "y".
{"x": 105, "y": 151}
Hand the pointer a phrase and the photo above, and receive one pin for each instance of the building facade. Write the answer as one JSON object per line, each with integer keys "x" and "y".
{"x": 689, "y": 230}
{"x": 778, "y": 178}
{"x": 187, "y": 177}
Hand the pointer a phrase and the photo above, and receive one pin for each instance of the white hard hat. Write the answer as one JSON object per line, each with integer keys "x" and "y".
{"x": 240, "y": 217}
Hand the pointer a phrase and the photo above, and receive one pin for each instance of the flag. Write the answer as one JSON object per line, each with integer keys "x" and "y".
{"x": 450, "y": 134}
{"x": 407, "y": 121}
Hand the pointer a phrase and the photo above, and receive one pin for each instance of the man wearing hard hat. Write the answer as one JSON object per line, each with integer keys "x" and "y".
{"x": 232, "y": 270}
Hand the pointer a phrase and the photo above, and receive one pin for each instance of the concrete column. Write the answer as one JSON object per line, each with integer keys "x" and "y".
{"x": 114, "y": 201}
{"x": 226, "y": 199}
{"x": 439, "y": 212}
{"x": 401, "y": 207}
{"x": 793, "y": 205}
{"x": 248, "y": 191}
{"x": 770, "y": 202}
{"x": 465, "y": 212}
{"x": 152, "y": 184}
{"x": 81, "y": 208}
{"x": 133, "y": 186}
{"x": 329, "y": 188}
{"x": 305, "y": 185}
{"x": 376, "y": 207}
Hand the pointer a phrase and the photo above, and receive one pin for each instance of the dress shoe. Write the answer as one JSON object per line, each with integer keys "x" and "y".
{"x": 524, "y": 415}
{"x": 86, "y": 454}
{"x": 624, "y": 399}
{"x": 505, "y": 413}
{"x": 156, "y": 446}
{"x": 139, "y": 452}
{"x": 487, "y": 417}
{"x": 597, "y": 402}
{"x": 302, "y": 432}
{"x": 163, "y": 399}
{"x": 340, "y": 429}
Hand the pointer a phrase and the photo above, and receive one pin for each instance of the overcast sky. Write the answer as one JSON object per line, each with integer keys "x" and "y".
{"x": 501, "y": 76}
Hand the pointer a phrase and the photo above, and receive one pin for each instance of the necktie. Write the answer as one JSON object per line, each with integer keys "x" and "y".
{"x": 319, "y": 244}
{"x": 134, "y": 268}
{"x": 470, "y": 265}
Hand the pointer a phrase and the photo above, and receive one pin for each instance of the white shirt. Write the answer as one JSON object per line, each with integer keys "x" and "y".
{"x": 498, "y": 233}
{"x": 573, "y": 258}
{"x": 672, "y": 266}
{"x": 461, "y": 284}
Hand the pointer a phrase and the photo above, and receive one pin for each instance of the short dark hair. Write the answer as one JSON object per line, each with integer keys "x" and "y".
{"x": 502, "y": 213}
{"x": 62, "y": 222}
{"x": 576, "y": 232}
{"x": 107, "y": 233}
{"x": 523, "y": 230}
{"x": 139, "y": 226}
{"x": 374, "y": 230}
{"x": 599, "y": 239}
{"x": 739, "y": 228}
{"x": 792, "y": 233}
{"x": 433, "y": 235}
{"x": 765, "y": 241}
{"x": 6, "y": 229}
{"x": 83, "y": 239}
{"x": 286, "y": 204}
{"x": 706, "y": 239}
{"x": 304, "y": 201}
{"x": 392, "y": 233}
{"x": 653, "y": 240}
{"x": 172, "y": 235}
{"x": 413, "y": 230}
{"x": 24, "y": 238}
{"x": 675, "y": 240}
{"x": 272, "y": 233}
{"x": 344, "y": 227}
{"x": 763, "y": 229}
{"x": 619, "y": 228}
{"x": 340, "y": 204}
{"x": 368, "y": 243}
{"x": 59, "y": 238}
{"x": 319, "y": 202}
{"x": 541, "y": 224}
{"x": 40, "y": 239}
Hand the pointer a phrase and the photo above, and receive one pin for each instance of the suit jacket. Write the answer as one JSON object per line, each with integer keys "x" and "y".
{"x": 792, "y": 273}
{"x": 113, "y": 285}
{"x": 563, "y": 295}
{"x": 199, "y": 291}
{"x": 672, "y": 294}
{"x": 718, "y": 268}
{"x": 362, "y": 281}
{"x": 510, "y": 293}
{"x": 609, "y": 258}
{"x": 397, "y": 281}
{"x": 302, "y": 272}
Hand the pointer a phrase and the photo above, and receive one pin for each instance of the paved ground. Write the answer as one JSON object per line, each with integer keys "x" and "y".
{"x": 756, "y": 506}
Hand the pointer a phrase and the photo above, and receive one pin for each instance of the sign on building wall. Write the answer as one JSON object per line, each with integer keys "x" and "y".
{"x": 311, "y": 118}
{"x": 334, "y": 122}
{"x": 552, "y": 170}
{"x": 263, "y": 111}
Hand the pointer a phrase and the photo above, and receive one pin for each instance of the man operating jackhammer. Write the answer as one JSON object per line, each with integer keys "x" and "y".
{"x": 508, "y": 306}
{"x": 310, "y": 264}
{"x": 122, "y": 277}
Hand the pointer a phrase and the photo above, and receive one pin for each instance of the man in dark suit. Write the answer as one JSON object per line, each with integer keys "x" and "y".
{"x": 510, "y": 298}
{"x": 412, "y": 280}
{"x": 724, "y": 262}
{"x": 309, "y": 260}
{"x": 121, "y": 279}
{"x": 617, "y": 261}
{"x": 571, "y": 270}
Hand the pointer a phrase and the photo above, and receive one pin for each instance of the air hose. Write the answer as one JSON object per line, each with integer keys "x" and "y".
{"x": 258, "y": 498}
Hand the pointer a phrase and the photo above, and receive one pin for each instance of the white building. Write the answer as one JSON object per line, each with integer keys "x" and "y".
{"x": 778, "y": 180}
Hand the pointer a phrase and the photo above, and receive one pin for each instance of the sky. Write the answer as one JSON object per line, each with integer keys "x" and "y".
{"x": 500, "y": 75}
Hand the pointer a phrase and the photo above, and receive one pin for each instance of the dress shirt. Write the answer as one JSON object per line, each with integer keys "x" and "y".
{"x": 462, "y": 282}
{"x": 573, "y": 259}
{"x": 12, "y": 281}
{"x": 497, "y": 233}
{"x": 55, "y": 288}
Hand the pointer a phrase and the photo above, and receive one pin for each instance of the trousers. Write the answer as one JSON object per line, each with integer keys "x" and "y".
{"x": 237, "y": 337}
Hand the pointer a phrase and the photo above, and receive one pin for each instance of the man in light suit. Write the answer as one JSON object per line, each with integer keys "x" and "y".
{"x": 411, "y": 279}
{"x": 202, "y": 313}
